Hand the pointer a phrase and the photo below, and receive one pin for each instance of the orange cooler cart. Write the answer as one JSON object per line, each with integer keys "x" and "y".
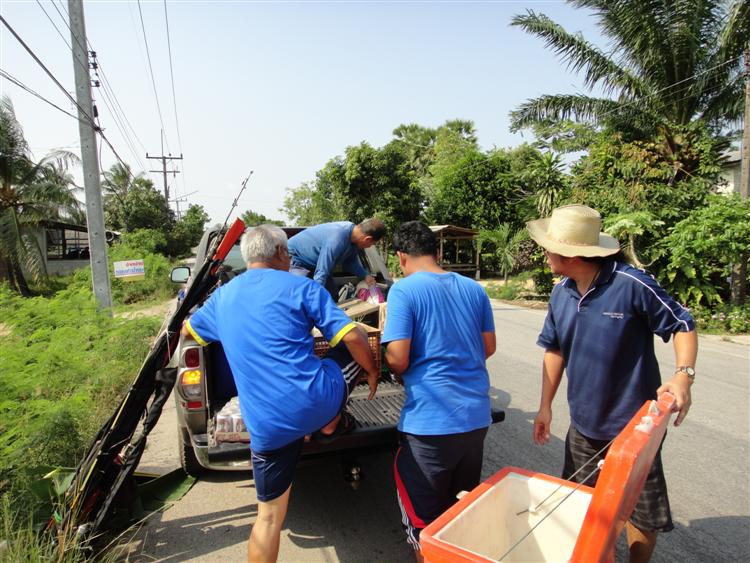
{"x": 496, "y": 521}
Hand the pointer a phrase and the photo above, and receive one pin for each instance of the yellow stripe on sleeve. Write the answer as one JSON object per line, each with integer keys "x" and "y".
{"x": 194, "y": 334}
{"x": 343, "y": 332}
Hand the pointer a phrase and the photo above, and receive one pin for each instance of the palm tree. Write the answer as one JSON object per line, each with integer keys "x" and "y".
{"x": 546, "y": 178}
{"x": 30, "y": 193}
{"x": 670, "y": 63}
{"x": 506, "y": 245}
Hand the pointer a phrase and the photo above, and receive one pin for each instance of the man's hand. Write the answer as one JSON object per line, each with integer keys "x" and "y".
{"x": 542, "y": 425}
{"x": 372, "y": 382}
{"x": 370, "y": 279}
{"x": 679, "y": 386}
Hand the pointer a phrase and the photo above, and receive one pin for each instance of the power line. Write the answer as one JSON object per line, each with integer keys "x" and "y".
{"x": 174, "y": 97}
{"x": 116, "y": 117}
{"x": 21, "y": 85}
{"x": 151, "y": 70}
{"x": 86, "y": 114}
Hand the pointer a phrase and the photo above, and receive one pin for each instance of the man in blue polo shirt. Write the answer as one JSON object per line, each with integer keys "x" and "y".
{"x": 317, "y": 250}
{"x": 600, "y": 328}
{"x": 440, "y": 330}
{"x": 263, "y": 319}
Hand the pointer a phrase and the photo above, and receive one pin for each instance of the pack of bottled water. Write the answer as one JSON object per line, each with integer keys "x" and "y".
{"x": 228, "y": 424}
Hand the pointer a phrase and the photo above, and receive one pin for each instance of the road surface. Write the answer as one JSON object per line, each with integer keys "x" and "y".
{"x": 707, "y": 461}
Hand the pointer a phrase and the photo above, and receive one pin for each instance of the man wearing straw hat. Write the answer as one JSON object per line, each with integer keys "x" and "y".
{"x": 600, "y": 328}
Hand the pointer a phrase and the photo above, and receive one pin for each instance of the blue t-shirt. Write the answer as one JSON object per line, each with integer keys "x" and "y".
{"x": 447, "y": 383}
{"x": 321, "y": 247}
{"x": 606, "y": 339}
{"x": 263, "y": 319}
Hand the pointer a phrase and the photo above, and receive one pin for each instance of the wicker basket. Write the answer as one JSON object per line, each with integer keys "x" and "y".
{"x": 320, "y": 346}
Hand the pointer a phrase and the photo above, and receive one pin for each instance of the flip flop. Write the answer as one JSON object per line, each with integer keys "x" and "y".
{"x": 344, "y": 426}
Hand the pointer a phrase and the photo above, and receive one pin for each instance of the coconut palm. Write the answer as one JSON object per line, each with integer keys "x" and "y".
{"x": 506, "y": 244}
{"x": 30, "y": 193}
{"x": 669, "y": 64}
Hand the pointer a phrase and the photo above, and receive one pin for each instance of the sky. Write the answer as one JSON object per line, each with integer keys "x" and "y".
{"x": 278, "y": 88}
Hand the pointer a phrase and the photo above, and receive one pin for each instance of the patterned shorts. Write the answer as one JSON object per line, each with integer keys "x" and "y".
{"x": 651, "y": 513}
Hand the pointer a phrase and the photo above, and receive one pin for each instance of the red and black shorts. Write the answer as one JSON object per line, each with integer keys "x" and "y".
{"x": 430, "y": 471}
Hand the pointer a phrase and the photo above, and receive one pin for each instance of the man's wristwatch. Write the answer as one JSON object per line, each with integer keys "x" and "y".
{"x": 687, "y": 370}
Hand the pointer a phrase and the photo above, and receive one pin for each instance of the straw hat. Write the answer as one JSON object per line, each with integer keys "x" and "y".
{"x": 573, "y": 230}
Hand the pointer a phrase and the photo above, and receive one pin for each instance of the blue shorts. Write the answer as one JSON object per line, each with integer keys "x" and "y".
{"x": 273, "y": 471}
{"x": 430, "y": 471}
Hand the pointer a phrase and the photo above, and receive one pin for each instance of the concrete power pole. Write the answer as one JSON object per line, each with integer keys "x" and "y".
{"x": 164, "y": 170}
{"x": 92, "y": 188}
{"x": 745, "y": 170}
{"x": 739, "y": 275}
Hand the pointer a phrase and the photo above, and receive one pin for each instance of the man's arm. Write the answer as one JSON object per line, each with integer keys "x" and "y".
{"x": 397, "y": 356}
{"x": 490, "y": 344}
{"x": 552, "y": 371}
{"x": 329, "y": 255}
{"x": 685, "y": 354}
{"x": 358, "y": 346}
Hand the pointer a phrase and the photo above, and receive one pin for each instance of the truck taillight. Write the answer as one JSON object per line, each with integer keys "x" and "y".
{"x": 192, "y": 357}
{"x": 190, "y": 381}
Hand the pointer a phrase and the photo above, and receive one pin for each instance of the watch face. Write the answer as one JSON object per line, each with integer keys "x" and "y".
{"x": 690, "y": 372}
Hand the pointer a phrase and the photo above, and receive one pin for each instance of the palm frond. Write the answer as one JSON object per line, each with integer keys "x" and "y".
{"x": 579, "y": 55}
{"x": 565, "y": 106}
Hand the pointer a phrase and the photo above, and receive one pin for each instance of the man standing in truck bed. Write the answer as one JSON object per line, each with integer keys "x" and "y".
{"x": 440, "y": 330}
{"x": 263, "y": 320}
{"x": 317, "y": 250}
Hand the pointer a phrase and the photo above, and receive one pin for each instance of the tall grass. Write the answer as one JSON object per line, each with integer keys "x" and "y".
{"x": 65, "y": 367}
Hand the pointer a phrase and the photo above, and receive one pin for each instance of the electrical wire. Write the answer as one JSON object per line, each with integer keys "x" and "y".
{"x": 116, "y": 117}
{"x": 174, "y": 97}
{"x": 21, "y": 85}
{"x": 151, "y": 71}
{"x": 86, "y": 115}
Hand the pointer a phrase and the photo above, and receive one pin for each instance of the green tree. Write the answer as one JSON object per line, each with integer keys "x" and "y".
{"x": 546, "y": 180}
{"x": 30, "y": 193}
{"x": 253, "y": 219}
{"x": 702, "y": 248}
{"x": 478, "y": 191}
{"x": 668, "y": 64}
{"x": 309, "y": 204}
{"x": 504, "y": 245}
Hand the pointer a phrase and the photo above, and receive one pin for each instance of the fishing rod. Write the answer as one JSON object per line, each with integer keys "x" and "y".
{"x": 237, "y": 199}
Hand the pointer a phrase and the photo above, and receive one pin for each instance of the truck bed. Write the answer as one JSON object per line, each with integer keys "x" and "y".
{"x": 375, "y": 427}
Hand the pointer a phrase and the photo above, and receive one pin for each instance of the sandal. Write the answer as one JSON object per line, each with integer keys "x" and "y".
{"x": 344, "y": 426}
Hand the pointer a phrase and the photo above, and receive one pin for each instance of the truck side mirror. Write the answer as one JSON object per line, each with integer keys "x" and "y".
{"x": 180, "y": 274}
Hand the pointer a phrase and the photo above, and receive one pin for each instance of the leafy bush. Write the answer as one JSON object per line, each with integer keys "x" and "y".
{"x": 65, "y": 365}
{"x": 723, "y": 318}
{"x": 701, "y": 249}
{"x": 143, "y": 243}
{"x": 509, "y": 291}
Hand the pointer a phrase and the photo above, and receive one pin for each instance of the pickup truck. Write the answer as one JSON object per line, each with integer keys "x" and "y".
{"x": 205, "y": 386}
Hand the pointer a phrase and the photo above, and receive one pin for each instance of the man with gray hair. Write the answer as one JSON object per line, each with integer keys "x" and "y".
{"x": 317, "y": 250}
{"x": 263, "y": 319}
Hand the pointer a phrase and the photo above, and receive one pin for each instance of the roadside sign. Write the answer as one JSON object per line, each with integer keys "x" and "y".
{"x": 130, "y": 270}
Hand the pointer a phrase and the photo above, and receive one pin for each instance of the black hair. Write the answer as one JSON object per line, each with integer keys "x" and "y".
{"x": 619, "y": 256}
{"x": 415, "y": 239}
{"x": 374, "y": 228}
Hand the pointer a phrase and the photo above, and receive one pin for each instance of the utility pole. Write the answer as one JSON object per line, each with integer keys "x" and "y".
{"x": 739, "y": 274}
{"x": 163, "y": 170}
{"x": 90, "y": 163}
{"x": 179, "y": 200}
{"x": 745, "y": 170}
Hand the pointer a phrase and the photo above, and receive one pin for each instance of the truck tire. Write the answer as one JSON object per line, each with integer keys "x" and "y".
{"x": 188, "y": 461}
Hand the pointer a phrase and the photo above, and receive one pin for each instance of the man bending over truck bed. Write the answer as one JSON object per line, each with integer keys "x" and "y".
{"x": 263, "y": 319}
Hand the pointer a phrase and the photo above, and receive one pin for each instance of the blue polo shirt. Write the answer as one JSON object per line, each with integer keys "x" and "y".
{"x": 321, "y": 247}
{"x": 263, "y": 319}
{"x": 447, "y": 384}
{"x": 606, "y": 338}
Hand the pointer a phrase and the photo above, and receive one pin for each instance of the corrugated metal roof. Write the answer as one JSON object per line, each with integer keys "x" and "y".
{"x": 453, "y": 229}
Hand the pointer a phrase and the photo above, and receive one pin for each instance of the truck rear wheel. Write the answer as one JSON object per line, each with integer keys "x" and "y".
{"x": 188, "y": 461}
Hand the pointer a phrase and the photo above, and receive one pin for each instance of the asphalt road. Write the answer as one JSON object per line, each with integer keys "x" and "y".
{"x": 707, "y": 461}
